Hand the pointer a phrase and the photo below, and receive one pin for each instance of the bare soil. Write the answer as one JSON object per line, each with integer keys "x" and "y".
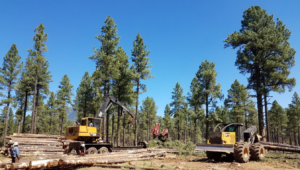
{"x": 273, "y": 161}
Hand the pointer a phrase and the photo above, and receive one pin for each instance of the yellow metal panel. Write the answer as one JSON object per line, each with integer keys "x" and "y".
{"x": 228, "y": 137}
{"x": 82, "y": 129}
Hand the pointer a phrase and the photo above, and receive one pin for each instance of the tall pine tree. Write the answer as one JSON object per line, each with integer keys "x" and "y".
{"x": 8, "y": 80}
{"x": 63, "y": 99}
{"x": 263, "y": 52}
{"x": 104, "y": 57}
{"x": 141, "y": 71}
{"x": 206, "y": 76}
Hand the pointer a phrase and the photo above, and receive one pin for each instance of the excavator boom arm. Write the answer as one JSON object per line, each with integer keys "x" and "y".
{"x": 107, "y": 103}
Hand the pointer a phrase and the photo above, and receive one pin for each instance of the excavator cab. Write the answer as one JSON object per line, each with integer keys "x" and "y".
{"x": 88, "y": 130}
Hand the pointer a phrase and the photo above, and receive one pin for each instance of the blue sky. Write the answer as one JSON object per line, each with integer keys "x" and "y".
{"x": 179, "y": 34}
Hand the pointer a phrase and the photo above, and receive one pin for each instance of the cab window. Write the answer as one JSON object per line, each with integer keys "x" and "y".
{"x": 83, "y": 122}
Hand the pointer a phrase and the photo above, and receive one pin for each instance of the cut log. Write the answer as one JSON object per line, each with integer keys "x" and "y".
{"x": 22, "y": 165}
{"x": 127, "y": 167}
{"x": 278, "y": 148}
{"x": 7, "y": 166}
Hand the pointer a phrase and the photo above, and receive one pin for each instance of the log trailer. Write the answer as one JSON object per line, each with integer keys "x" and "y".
{"x": 89, "y": 131}
{"x": 231, "y": 140}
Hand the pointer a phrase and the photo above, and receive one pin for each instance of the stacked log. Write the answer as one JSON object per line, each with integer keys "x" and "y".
{"x": 37, "y": 145}
{"x": 281, "y": 147}
{"x": 87, "y": 160}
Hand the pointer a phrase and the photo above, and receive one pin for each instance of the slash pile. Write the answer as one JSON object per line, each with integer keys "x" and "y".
{"x": 38, "y": 145}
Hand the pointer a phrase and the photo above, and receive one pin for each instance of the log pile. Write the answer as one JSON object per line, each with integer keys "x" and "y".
{"x": 38, "y": 145}
{"x": 87, "y": 160}
{"x": 281, "y": 147}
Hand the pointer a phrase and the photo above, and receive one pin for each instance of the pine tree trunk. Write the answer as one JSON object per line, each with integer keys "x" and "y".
{"x": 36, "y": 110}
{"x": 50, "y": 123}
{"x": 148, "y": 127}
{"x": 34, "y": 102}
{"x": 25, "y": 108}
{"x": 195, "y": 131}
{"x": 137, "y": 112}
{"x": 267, "y": 118}
{"x": 19, "y": 126}
{"x": 178, "y": 128}
{"x": 295, "y": 138}
{"x": 112, "y": 128}
{"x": 118, "y": 127}
{"x": 207, "y": 123}
{"x": 6, "y": 116}
{"x": 185, "y": 135}
{"x": 259, "y": 103}
{"x": 105, "y": 117}
{"x": 124, "y": 130}
{"x": 299, "y": 135}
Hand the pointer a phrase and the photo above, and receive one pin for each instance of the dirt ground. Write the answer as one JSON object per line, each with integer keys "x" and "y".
{"x": 273, "y": 161}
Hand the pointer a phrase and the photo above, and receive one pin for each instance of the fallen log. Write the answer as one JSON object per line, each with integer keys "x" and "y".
{"x": 277, "y": 148}
{"x": 7, "y": 166}
{"x": 41, "y": 150}
{"x": 22, "y": 165}
{"x": 127, "y": 167}
{"x": 279, "y": 144}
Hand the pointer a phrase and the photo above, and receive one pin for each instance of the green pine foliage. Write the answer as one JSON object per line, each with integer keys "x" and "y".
{"x": 83, "y": 103}
{"x": 206, "y": 76}
{"x": 8, "y": 81}
{"x": 278, "y": 122}
{"x": 106, "y": 66}
{"x": 37, "y": 70}
{"x": 263, "y": 52}
{"x": 141, "y": 71}
{"x": 178, "y": 101}
{"x": 63, "y": 99}
{"x": 148, "y": 113}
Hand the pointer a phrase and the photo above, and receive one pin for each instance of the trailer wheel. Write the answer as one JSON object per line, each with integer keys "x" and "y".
{"x": 102, "y": 150}
{"x": 216, "y": 156}
{"x": 91, "y": 151}
{"x": 257, "y": 152}
{"x": 241, "y": 152}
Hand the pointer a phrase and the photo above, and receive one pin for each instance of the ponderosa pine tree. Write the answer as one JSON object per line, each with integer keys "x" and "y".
{"x": 10, "y": 122}
{"x": 206, "y": 76}
{"x": 8, "y": 80}
{"x": 239, "y": 103}
{"x": 167, "y": 120}
{"x": 63, "y": 99}
{"x": 141, "y": 71}
{"x": 104, "y": 57}
{"x": 293, "y": 114}
{"x": 25, "y": 88}
{"x": 38, "y": 71}
{"x": 177, "y": 104}
{"x": 263, "y": 47}
{"x": 196, "y": 100}
{"x": 51, "y": 109}
{"x": 149, "y": 109}
{"x": 84, "y": 97}
{"x": 278, "y": 122}
{"x": 122, "y": 87}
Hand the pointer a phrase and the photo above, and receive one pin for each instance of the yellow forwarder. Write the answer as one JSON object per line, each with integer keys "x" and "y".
{"x": 231, "y": 140}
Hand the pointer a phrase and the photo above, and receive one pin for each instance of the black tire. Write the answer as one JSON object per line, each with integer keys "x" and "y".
{"x": 216, "y": 156}
{"x": 92, "y": 151}
{"x": 257, "y": 152}
{"x": 241, "y": 152}
{"x": 102, "y": 150}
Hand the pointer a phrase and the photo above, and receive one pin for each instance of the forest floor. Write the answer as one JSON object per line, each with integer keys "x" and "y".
{"x": 273, "y": 161}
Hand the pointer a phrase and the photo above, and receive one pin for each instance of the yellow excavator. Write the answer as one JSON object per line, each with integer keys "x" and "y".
{"x": 232, "y": 141}
{"x": 88, "y": 132}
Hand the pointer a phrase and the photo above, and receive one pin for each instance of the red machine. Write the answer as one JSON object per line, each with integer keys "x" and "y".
{"x": 161, "y": 136}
